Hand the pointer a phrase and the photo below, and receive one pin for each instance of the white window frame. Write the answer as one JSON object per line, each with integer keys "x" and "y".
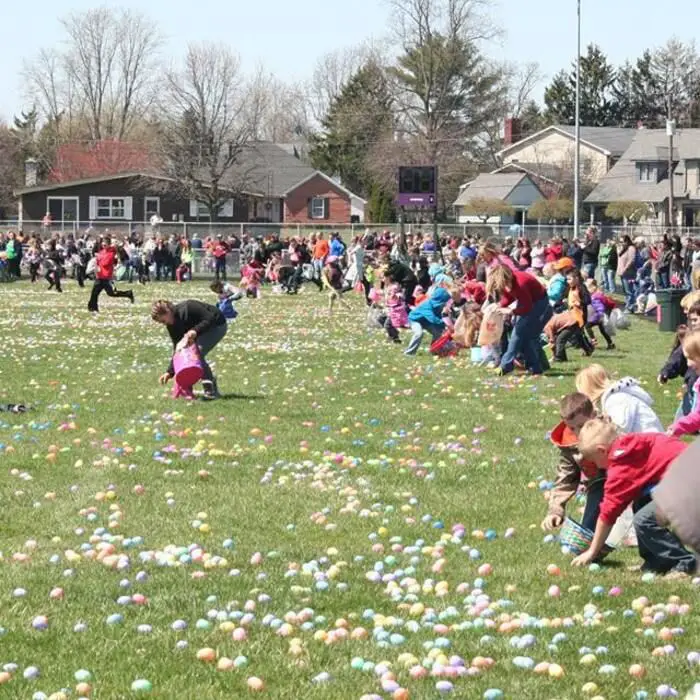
{"x": 314, "y": 213}
{"x": 648, "y": 172}
{"x": 111, "y": 208}
{"x": 63, "y": 216}
{"x": 146, "y": 214}
{"x": 202, "y": 210}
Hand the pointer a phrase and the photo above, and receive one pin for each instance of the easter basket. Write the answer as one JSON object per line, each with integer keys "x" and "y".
{"x": 576, "y": 538}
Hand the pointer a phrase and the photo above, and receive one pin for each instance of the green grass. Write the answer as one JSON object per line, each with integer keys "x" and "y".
{"x": 364, "y": 448}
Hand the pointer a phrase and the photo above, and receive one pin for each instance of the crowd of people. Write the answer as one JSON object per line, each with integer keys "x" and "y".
{"x": 506, "y": 303}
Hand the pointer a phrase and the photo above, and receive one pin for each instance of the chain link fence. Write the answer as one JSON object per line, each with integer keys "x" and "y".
{"x": 204, "y": 230}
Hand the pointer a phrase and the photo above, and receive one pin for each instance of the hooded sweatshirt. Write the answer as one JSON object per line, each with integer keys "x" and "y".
{"x": 636, "y": 464}
{"x": 676, "y": 496}
{"x": 629, "y": 407}
{"x": 430, "y": 311}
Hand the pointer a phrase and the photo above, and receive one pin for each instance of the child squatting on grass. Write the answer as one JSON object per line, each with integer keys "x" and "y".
{"x": 576, "y": 410}
{"x": 635, "y": 464}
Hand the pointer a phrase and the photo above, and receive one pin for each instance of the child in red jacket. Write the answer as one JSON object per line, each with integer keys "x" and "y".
{"x": 635, "y": 464}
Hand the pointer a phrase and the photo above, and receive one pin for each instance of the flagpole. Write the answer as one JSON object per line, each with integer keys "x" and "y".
{"x": 577, "y": 127}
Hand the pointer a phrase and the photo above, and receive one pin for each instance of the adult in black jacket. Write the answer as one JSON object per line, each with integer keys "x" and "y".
{"x": 591, "y": 253}
{"x": 192, "y": 322}
{"x": 403, "y": 275}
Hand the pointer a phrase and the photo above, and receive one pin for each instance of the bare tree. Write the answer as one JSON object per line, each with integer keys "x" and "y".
{"x": 283, "y": 109}
{"x": 104, "y": 77}
{"x": 332, "y": 72}
{"x": 211, "y": 111}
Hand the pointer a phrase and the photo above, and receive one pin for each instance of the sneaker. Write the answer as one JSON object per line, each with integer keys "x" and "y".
{"x": 612, "y": 347}
{"x": 676, "y": 575}
{"x": 210, "y": 390}
{"x": 17, "y": 408}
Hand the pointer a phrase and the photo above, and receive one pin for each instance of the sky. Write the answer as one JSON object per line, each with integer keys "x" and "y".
{"x": 288, "y": 36}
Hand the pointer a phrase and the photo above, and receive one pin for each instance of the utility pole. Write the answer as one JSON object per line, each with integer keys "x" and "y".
{"x": 577, "y": 125}
{"x": 670, "y": 132}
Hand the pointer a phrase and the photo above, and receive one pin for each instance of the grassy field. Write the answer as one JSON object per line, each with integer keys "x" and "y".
{"x": 260, "y": 526}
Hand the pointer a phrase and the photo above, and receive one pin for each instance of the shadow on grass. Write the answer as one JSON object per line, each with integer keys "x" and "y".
{"x": 241, "y": 397}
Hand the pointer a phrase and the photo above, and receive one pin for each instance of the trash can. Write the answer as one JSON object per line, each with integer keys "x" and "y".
{"x": 669, "y": 313}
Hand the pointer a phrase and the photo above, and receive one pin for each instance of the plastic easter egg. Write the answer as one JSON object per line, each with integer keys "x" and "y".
{"x": 493, "y": 694}
{"x": 141, "y": 686}
{"x": 207, "y": 654}
{"x": 255, "y": 684}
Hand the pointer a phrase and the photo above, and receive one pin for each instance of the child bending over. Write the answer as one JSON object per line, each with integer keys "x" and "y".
{"x": 332, "y": 281}
{"x": 575, "y": 410}
{"x": 635, "y": 464}
{"x": 427, "y": 317}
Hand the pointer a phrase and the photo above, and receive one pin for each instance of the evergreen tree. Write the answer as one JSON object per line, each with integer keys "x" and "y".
{"x": 598, "y": 105}
{"x": 638, "y": 95}
{"x": 358, "y": 118}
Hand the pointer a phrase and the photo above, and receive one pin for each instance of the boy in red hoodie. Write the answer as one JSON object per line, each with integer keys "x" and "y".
{"x": 635, "y": 464}
{"x": 575, "y": 409}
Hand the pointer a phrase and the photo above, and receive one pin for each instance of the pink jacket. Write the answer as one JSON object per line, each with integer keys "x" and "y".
{"x": 690, "y": 424}
{"x": 398, "y": 313}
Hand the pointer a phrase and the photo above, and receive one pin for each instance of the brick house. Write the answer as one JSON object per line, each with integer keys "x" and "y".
{"x": 270, "y": 184}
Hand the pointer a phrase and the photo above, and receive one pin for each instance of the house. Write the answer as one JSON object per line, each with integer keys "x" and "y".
{"x": 548, "y": 155}
{"x": 642, "y": 175}
{"x": 518, "y": 190}
{"x": 268, "y": 184}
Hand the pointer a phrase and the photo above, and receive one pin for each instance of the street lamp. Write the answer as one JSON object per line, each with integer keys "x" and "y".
{"x": 577, "y": 122}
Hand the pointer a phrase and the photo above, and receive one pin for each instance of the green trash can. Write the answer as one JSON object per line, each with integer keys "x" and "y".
{"x": 669, "y": 313}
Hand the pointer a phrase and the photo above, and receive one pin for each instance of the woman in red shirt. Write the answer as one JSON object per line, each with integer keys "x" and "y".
{"x": 532, "y": 312}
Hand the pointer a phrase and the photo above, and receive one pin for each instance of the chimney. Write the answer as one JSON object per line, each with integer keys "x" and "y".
{"x": 30, "y": 172}
{"x": 511, "y": 131}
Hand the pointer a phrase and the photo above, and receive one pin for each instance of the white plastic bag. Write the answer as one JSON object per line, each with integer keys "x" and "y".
{"x": 623, "y": 530}
{"x": 620, "y": 320}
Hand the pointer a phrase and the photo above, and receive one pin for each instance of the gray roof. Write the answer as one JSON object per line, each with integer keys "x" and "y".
{"x": 490, "y": 186}
{"x": 614, "y": 140}
{"x": 649, "y": 145}
{"x": 268, "y": 169}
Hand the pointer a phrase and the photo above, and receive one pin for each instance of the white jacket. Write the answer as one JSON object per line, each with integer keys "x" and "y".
{"x": 629, "y": 407}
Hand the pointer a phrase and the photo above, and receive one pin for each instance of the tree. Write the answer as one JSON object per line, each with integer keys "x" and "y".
{"x": 10, "y": 169}
{"x": 210, "y": 112}
{"x": 626, "y": 211}
{"x": 104, "y": 81}
{"x": 552, "y": 210}
{"x": 486, "y": 208}
{"x": 597, "y": 97}
{"x": 447, "y": 92}
{"x": 638, "y": 95}
{"x": 359, "y": 117}
{"x": 380, "y": 207}
{"x": 676, "y": 76}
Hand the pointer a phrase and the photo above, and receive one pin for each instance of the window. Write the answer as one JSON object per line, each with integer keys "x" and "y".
{"x": 647, "y": 172}
{"x": 151, "y": 206}
{"x": 318, "y": 208}
{"x": 110, "y": 208}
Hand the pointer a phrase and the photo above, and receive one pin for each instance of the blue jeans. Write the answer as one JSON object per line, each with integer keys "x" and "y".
{"x": 609, "y": 281}
{"x": 629, "y": 286}
{"x": 418, "y": 329}
{"x": 663, "y": 279}
{"x": 661, "y": 550}
{"x": 589, "y": 269}
{"x": 594, "y": 497}
{"x": 525, "y": 339}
